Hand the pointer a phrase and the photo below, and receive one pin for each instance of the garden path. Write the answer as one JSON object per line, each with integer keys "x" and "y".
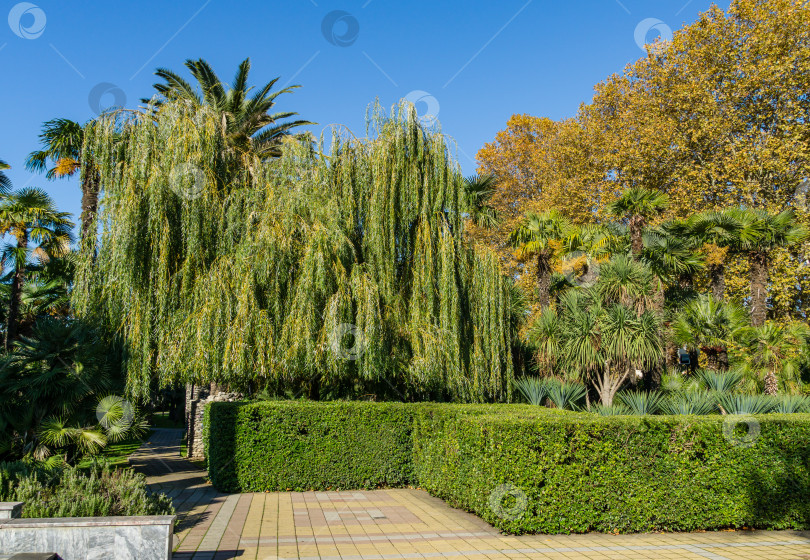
{"x": 396, "y": 524}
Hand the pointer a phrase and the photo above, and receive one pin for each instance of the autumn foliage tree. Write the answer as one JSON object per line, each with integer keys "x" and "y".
{"x": 713, "y": 119}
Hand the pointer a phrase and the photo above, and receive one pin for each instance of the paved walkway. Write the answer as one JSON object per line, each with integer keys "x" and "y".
{"x": 397, "y": 524}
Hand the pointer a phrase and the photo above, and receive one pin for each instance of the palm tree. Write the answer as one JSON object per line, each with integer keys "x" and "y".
{"x": 5, "y": 182}
{"x": 58, "y": 378}
{"x": 758, "y": 234}
{"x": 671, "y": 257}
{"x": 30, "y": 217}
{"x": 626, "y": 282}
{"x": 719, "y": 230}
{"x": 542, "y": 236}
{"x": 586, "y": 248}
{"x": 772, "y": 346}
{"x": 62, "y": 156}
{"x": 248, "y": 125}
{"x": 708, "y": 324}
{"x": 638, "y": 206}
{"x": 599, "y": 341}
{"x": 479, "y": 190}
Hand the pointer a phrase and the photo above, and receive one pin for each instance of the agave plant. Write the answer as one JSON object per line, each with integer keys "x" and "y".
{"x": 565, "y": 395}
{"x": 615, "y": 409}
{"x": 640, "y": 402}
{"x": 791, "y": 404}
{"x": 533, "y": 389}
{"x": 746, "y": 404}
{"x": 720, "y": 382}
{"x": 689, "y": 403}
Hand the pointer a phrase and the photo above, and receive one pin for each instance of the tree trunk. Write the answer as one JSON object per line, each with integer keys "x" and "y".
{"x": 722, "y": 358}
{"x": 771, "y": 383}
{"x": 90, "y": 188}
{"x": 543, "y": 280}
{"x": 15, "y": 298}
{"x": 716, "y": 358}
{"x": 717, "y": 280}
{"x": 315, "y": 388}
{"x": 659, "y": 297}
{"x": 636, "y": 240}
{"x": 758, "y": 262}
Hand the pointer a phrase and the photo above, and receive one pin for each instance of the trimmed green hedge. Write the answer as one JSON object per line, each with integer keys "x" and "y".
{"x": 526, "y": 469}
{"x": 303, "y": 445}
{"x": 582, "y": 473}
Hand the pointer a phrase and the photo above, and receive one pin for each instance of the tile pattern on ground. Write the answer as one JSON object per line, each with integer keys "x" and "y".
{"x": 397, "y": 524}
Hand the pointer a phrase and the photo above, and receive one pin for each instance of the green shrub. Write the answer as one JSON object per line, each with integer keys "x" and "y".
{"x": 581, "y": 472}
{"x": 575, "y": 472}
{"x": 72, "y": 492}
{"x": 303, "y": 445}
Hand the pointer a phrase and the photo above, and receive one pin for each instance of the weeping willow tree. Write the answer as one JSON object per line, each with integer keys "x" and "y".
{"x": 346, "y": 269}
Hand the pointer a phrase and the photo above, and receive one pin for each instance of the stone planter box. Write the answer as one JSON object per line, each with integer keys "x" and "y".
{"x": 90, "y": 538}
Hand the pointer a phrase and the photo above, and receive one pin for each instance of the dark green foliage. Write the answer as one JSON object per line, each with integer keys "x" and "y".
{"x": 579, "y": 472}
{"x": 71, "y": 492}
{"x": 58, "y": 394}
{"x": 303, "y": 445}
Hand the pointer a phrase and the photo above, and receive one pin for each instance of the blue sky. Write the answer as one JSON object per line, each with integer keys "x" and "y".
{"x": 475, "y": 62}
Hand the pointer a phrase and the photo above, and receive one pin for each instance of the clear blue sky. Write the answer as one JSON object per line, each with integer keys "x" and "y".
{"x": 481, "y": 61}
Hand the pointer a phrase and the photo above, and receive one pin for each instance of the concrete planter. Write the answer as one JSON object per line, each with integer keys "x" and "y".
{"x": 89, "y": 538}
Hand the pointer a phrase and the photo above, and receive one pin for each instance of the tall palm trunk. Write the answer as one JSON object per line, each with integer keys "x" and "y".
{"x": 90, "y": 188}
{"x": 543, "y": 279}
{"x": 758, "y": 262}
{"x": 636, "y": 240}
{"x": 717, "y": 280}
{"x": 771, "y": 383}
{"x": 17, "y": 281}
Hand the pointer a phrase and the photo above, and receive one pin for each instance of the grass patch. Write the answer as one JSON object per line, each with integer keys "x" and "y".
{"x": 115, "y": 454}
